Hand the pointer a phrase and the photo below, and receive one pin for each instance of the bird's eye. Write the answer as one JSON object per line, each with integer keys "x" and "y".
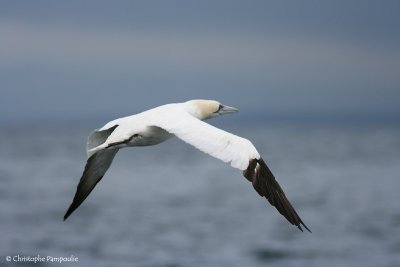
{"x": 219, "y": 108}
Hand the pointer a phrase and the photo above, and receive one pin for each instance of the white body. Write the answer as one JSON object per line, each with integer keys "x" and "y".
{"x": 182, "y": 120}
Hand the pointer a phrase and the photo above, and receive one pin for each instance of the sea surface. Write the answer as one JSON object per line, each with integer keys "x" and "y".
{"x": 171, "y": 205}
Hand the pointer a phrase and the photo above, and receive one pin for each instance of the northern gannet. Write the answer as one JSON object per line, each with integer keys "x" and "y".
{"x": 185, "y": 121}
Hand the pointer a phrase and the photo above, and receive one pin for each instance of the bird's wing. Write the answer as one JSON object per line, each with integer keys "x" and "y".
{"x": 265, "y": 184}
{"x": 95, "y": 168}
{"x": 98, "y": 137}
{"x": 211, "y": 140}
{"x": 228, "y": 147}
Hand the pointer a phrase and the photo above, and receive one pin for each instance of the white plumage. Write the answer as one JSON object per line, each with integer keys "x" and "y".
{"x": 185, "y": 121}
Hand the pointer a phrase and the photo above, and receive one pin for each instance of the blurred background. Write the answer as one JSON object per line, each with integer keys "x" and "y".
{"x": 318, "y": 88}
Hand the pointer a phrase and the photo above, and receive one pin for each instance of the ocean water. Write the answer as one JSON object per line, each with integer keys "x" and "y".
{"x": 171, "y": 205}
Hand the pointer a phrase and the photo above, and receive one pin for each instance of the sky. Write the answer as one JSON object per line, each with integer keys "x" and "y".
{"x": 82, "y": 60}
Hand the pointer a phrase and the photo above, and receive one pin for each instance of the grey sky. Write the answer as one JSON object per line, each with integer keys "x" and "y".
{"x": 84, "y": 59}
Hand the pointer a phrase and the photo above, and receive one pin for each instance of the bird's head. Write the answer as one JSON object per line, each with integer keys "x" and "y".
{"x": 207, "y": 109}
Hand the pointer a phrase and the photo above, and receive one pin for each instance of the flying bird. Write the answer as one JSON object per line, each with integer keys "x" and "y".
{"x": 185, "y": 121}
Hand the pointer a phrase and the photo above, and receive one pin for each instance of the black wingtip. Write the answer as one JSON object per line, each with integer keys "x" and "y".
{"x": 69, "y": 211}
{"x": 305, "y": 226}
{"x": 265, "y": 184}
{"x": 95, "y": 168}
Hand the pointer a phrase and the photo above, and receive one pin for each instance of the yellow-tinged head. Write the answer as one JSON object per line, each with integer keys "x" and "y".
{"x": 206, "y": 109}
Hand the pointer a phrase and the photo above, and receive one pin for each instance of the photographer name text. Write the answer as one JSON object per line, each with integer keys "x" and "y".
{"x": 38, "y": 258}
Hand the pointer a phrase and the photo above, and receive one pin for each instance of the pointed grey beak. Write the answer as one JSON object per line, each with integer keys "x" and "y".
{"x": 227, "y": 109}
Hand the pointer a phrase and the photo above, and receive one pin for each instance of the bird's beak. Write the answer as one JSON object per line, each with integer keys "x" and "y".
{"x": 227, "y": 110}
